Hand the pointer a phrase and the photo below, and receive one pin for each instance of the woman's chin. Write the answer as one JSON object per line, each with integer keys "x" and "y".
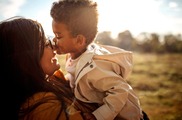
{"x": 58, "y": 66}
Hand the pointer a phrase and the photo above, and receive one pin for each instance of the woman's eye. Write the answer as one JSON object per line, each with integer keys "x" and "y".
{"x": 47, "y": 44}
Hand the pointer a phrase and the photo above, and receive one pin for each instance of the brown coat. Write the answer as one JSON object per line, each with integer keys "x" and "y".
{"x": 51, "y": 106}
{"x": 50, "y": 109}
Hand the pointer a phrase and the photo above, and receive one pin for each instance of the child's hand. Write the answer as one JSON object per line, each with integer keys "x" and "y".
{"x": 89, "y": 116}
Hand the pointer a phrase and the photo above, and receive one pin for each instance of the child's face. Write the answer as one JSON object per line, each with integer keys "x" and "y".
{"x": 65, "y": 42}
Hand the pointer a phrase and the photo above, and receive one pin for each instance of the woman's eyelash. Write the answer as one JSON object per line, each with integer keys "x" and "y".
{"x": 47, "y": 43}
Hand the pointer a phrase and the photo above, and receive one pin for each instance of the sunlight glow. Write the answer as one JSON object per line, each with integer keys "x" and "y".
{"x": 133, "y": 15}
{"x": 115, "y": 16}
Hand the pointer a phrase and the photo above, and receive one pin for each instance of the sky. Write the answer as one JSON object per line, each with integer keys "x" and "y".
{"x": 137, "y": 16}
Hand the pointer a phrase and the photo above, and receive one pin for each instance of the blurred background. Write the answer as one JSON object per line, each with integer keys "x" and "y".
{"x": 151, "y": 29}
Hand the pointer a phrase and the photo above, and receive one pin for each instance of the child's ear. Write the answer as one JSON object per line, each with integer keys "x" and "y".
{"x": 81, "y": 40}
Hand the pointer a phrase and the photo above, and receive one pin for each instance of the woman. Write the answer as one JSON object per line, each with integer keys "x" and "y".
{"x": 29, "y": 59}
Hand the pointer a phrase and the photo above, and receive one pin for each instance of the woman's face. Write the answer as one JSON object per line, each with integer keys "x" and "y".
{"x": 49, "y": 62}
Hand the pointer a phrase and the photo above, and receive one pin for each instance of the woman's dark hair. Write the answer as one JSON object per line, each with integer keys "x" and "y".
{"x": 80, "y": 16}
{"x": 22, "y": 44}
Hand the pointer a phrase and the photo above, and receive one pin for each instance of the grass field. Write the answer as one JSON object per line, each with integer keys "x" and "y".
{"x": 157, "y": 80}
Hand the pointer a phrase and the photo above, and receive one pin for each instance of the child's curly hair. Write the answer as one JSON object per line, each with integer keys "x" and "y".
{"x": 80, "y": 16}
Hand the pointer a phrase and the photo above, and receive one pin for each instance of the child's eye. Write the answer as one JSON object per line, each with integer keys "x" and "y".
{"x": 58, "y": 37}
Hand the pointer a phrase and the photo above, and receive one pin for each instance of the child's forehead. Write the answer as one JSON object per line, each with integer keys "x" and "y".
{"x": 59, "y": 28}
{"x": 59, "y": 25}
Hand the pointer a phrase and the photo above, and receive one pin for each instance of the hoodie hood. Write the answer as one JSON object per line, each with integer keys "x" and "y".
{"x": 114, "y": 54}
